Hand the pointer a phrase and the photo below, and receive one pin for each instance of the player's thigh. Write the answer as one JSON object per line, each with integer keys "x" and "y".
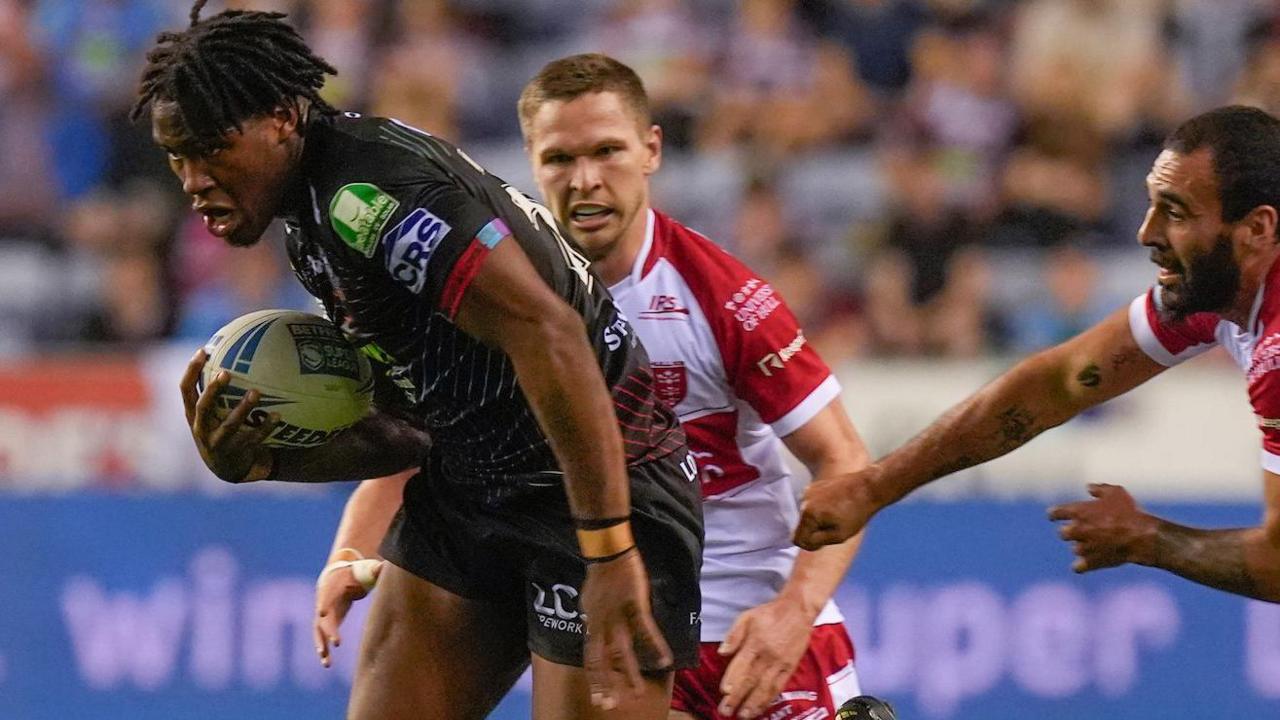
{"x": 427, "y": 652}
{"x": 679, "y": 715}
{"x": 560, "y": 692}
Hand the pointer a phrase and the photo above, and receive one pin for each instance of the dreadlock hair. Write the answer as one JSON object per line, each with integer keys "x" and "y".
{"x": 228, "y": 68}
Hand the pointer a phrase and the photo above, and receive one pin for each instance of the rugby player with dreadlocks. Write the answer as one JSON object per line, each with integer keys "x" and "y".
{"x": 508, "y": 351}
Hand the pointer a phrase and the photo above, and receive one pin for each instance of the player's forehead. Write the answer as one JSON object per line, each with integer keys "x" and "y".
{"x": 1187, "y": 177}
{"x": 167, "y": 126}
{"x": 169, "y": 130}
{"x": 582, "y": 122}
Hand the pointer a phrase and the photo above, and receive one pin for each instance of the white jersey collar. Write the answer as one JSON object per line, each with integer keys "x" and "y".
{"x": 637, "y": 267}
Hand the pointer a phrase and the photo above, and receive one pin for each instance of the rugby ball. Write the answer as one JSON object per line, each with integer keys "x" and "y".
{"x": 303, "y": 368}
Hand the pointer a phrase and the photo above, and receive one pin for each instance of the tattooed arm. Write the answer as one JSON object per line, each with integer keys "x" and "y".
{"x": 1042, "y": 391}
{"x": 1112, "y": 530}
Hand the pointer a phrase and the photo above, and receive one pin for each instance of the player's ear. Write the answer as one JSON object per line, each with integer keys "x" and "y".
{"x": 653, "y": 143}
{"x": 1261, "y": 225}
{"x": 285, "y": 119}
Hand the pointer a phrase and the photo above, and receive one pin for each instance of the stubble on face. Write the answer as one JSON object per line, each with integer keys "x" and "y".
{"x": 601, "y": 213}
{"x": 1210, "y": 282}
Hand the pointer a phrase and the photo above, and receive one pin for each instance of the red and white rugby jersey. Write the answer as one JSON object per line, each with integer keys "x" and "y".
{"x": 1255, "y": 348}
{"x": 731, "y": 359}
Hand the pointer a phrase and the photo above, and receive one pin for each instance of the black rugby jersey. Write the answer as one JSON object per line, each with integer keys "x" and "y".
{"x": 393, "y": 226}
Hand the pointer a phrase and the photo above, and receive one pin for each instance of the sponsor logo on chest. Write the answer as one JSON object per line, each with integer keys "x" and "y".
{"x": 665, "y": 307}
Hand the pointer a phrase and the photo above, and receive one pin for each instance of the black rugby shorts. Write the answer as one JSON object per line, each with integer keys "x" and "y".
{"x": 523, "y": 553}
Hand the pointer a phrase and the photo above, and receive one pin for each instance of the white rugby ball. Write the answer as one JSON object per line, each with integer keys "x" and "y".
{"x": 303, "y": 368}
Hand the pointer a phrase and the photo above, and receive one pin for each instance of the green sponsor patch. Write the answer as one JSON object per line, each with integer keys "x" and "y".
{"x": 358, "y": 213}
{"x": 377, "y": 353}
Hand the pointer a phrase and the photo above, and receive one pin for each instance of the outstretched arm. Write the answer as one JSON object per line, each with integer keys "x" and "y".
{"x": 1112, "y": 530}
{"x": 1043, "y": 391}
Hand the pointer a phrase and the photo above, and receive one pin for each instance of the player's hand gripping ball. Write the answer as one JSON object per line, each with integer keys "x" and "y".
{"x": 305, "y": 371}
{"x": 865, "y": 707}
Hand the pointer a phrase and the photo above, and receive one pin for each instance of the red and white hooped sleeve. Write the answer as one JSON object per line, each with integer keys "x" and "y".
{"x": 1170, "y": 343}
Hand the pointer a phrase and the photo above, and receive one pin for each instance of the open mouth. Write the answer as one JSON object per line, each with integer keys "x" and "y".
{"x": 1170, "y": 271}
{"x": 218, "y": 220}
{"x": 1168, "y": 275}
{"x": 589, "y": 216}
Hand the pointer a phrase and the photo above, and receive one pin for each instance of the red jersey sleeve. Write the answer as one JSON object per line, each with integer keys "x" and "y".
{"x": 1170, "y": 342}
{"x": 767, "y": 360}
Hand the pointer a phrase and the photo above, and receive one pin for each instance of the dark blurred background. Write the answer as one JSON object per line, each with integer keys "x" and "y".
{"x": 946, "y": 178}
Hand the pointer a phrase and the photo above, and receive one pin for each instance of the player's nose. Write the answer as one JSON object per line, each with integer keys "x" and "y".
{"x": 1147, "y": 235}
{"x": 195, "y": 178}
{"x": 586, "y": 175}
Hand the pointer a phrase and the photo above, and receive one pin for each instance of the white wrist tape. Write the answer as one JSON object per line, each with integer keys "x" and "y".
{"x": 363, "y": 570}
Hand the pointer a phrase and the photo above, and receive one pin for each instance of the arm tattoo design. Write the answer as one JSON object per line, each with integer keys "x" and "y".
{"x": 1090, "y": 377}
{"x": 1017, "y": 426}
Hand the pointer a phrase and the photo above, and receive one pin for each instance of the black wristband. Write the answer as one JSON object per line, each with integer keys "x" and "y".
{"x": 607, "y": 558}
{"x": 598, "y": 523}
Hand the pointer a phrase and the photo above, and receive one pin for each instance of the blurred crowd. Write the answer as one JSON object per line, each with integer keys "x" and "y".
{"x": 918, "y": 177}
